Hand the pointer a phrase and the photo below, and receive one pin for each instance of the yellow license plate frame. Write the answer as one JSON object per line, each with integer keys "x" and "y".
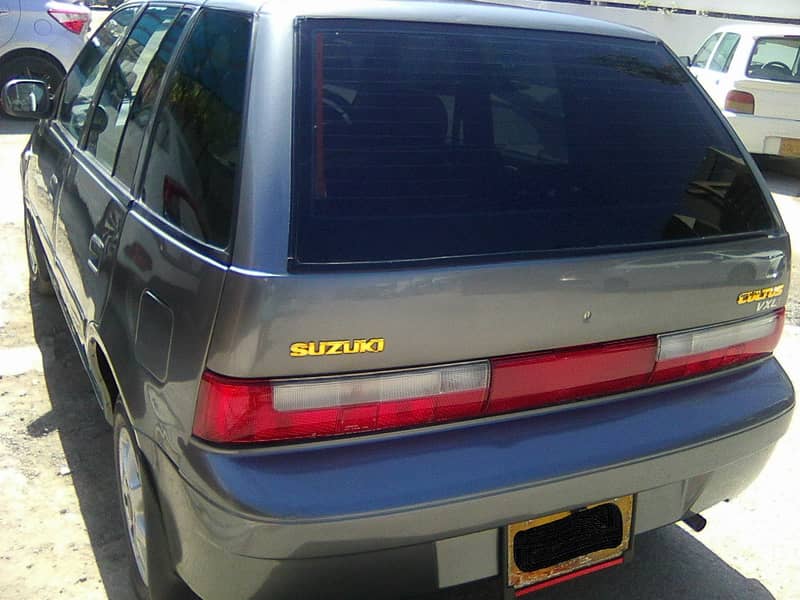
{"x": 518, "y": 578}
{"x": 790, "y": 147}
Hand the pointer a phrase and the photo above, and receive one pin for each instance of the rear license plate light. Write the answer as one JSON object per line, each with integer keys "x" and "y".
{"x": 555, "y": 546}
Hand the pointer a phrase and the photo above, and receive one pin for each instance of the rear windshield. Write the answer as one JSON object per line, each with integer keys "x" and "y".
{"x": 419, "y": 142}
{"x": 777, "y": 59}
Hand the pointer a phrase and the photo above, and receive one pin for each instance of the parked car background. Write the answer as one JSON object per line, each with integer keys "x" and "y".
{"x": 40, "y": 39}
{"x": 753, "y": 74}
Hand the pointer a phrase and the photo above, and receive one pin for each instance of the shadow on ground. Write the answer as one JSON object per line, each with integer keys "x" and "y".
{"x": 781, "y": 173}
{"x": 15, "y": 126}
{"x": 87, "y": 441}
{"x": 669, "y": 563}
{"x": 783, "y": 184}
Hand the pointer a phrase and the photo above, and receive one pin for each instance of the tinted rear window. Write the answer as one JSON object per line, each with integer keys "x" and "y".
{"x": 424, "y": 142}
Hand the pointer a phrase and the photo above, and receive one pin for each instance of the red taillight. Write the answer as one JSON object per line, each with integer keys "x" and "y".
{"x": 245, "y": 410}
{"x": 689, "y": 353}
{"x": 551, "y": 377}
{"x": 232, "y": 410}
{"x": 740, "y": 102}
{"x": 76, "y": 22}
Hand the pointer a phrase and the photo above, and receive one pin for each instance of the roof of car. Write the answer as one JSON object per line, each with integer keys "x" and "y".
{"x": 465, "y": 12}
{"x": 762, "y": 29}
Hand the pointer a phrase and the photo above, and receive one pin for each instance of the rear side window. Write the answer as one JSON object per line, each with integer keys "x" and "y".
{"x": 143, "y": 105}
{"x": 776, "y": 59}
{"x": 191, "y": 172}
{"x": 724, "y": 54}
{"x": 85, "y": 74}
{"x": 702, "y": 56}
{"x": 124, "y": 80}
{"x": 430, "y": 142}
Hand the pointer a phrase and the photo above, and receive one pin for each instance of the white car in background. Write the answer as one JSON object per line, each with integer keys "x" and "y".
{"x": 753, "y": 74}
{"x": 39, "y": 39}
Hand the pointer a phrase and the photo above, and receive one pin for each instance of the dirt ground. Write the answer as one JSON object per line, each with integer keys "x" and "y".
{"x": 60, "y": 531}
{"x": 61, "y": 535}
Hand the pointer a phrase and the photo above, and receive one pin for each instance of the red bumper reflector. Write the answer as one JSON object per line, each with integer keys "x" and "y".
{"x": 568, "y": 576}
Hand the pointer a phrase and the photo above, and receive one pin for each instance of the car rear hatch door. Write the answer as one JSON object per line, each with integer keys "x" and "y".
{"x": 773, "y": 99}
{"x": 773, "y": 77}
{"x": 527, "y": 191}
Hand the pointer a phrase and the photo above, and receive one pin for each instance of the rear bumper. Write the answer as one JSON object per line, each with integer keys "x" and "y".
{"x": 346, "y": 517}
{"x": 762, "y": 135}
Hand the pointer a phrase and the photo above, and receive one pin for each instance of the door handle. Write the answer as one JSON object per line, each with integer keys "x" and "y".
{"x": 96, "y": 253}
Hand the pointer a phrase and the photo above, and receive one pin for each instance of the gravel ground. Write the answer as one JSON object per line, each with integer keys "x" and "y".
{"x": 62, "y": 534}
{"x": 786, "y": 192}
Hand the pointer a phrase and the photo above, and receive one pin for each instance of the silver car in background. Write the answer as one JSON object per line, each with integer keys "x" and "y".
{"x": 40, "y": 39}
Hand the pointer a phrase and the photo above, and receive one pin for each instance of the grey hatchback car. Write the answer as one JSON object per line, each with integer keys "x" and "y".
{"x": 384, "y": 297}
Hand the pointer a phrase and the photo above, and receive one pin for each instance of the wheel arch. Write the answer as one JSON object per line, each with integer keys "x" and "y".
{"x": 102, "y": 372}
{"x": 21, "y": 52}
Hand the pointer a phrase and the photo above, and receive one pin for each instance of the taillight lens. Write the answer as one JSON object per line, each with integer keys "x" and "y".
{"x": 244, "y": 410}
{"x": 740, "y": 102}
{"x": 230, "y": 410}
{"x": 551, "y": 377}
{"x": 76, "y": 22}
{"x": 690, "y": 353}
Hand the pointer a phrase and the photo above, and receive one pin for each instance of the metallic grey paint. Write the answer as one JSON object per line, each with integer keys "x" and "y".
{"x": 432, "y": 315}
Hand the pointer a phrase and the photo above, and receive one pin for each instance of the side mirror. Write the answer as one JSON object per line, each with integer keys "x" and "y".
{"x": 686, "y": 60}
{"x": 26, "y": 99}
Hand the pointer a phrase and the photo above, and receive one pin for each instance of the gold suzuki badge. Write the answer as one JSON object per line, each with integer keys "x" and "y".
{"x": 329, "y": 347}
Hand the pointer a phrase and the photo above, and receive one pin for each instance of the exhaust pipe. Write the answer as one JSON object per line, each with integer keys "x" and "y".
{"x": 696, "y": 522}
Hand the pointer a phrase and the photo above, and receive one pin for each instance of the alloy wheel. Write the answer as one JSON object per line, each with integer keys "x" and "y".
{"x": 133, "y": 500}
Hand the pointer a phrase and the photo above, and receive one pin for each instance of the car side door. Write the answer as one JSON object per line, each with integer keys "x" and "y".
{"x": 93, "y": 203}
{"x": 54, "y": 139}
{"x": 175, "y": 248}
{"x": 700, "y": 60}
{"x": 717, "y": 83}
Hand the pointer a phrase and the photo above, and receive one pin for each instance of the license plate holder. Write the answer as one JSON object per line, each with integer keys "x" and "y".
{"x": 520, "y": 573}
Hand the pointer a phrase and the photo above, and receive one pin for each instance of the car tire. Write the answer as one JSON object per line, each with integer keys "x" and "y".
{"x": 32, "y": 66}
{"x": 152, "y": 570}
{"x": 38, "y": 275}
